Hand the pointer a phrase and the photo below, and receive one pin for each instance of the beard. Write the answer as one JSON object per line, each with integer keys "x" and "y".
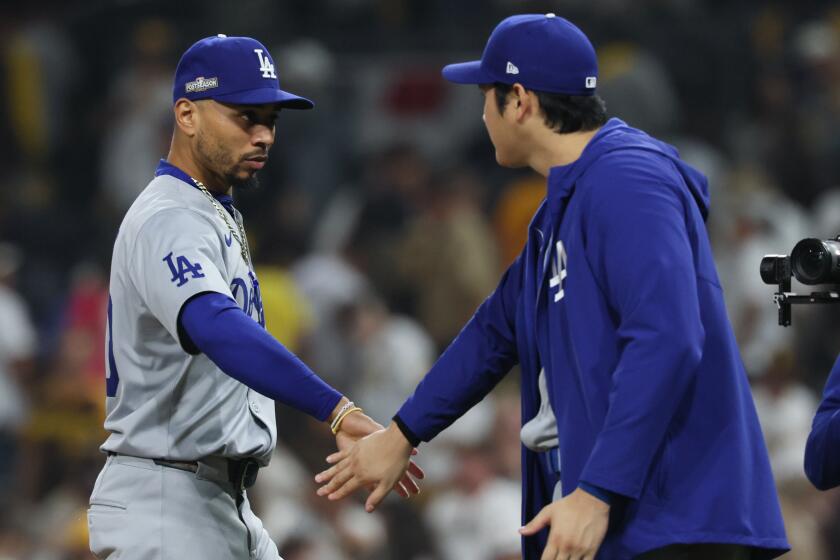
{"x": 251, "y": 183}
{"x": 217, "y": 157}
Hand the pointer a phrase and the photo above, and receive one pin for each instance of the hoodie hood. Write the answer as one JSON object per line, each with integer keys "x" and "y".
{"x": 617, "y": 135}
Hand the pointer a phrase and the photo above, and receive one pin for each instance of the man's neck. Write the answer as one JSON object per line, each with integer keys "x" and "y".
{"x": 214, "y": 184}
{"x": 552, "y": 149}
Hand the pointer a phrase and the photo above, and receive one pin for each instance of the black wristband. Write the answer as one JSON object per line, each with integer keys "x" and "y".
{"x": 406, "y": 431}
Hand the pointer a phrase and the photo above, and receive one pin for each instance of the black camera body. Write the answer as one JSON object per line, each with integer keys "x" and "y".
{"x": 812, "y": 261}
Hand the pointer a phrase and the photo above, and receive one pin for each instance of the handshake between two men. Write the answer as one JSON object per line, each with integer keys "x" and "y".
{"x": 369, "y": 456}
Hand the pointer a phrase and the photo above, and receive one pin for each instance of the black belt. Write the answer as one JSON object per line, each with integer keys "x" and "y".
{"x": 242, "y": 473}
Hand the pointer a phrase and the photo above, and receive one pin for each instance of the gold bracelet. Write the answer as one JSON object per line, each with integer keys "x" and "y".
{"x": 337, "y": 423}
{"x": 347, "y": 406}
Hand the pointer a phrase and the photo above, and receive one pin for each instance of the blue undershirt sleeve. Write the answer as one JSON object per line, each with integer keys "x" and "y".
{"x": 214, "y": 324}
{"x": 471, "y": 366}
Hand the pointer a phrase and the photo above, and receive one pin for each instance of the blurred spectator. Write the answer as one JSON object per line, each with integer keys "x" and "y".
{"x": 84, "y": 328}
{"x": 827, "y": 214}
{"x": 507, "y": 427}
{"x": 283, "y": 495}
{"x": 763, "y": 222}
{"x": 817, "y": 45}
{"x": 67, "y": 415}
{"x": 308, "y": 548}
{"x": 329, "y": 283}
{"x": 61, "y": 531}
{"x": 803, "y": 518}
{"x": 395, "y": 186}
{"x": 828, "y": 517}
{"x": 288, "y": 316}
{"x": 51, "y": 235}
{"x": 393, "y": 353}
{"x": 516, "y": 206}
{"x": 478, "y": 516}
{"x": 403, "y": 100}
{"x": 41, "y": 72}
{"x": 785, "y": 407}
{"x": 13, "y": 544}
{"x": 449, "y": 255}
{"x": 139, "y": 122}
{"x": 314, "y": 151}
{"x": 17, "y": 352}
{"x": 280, "y": 240}
{"x": 473, "y": 429}
{"x": 637, "y": 88}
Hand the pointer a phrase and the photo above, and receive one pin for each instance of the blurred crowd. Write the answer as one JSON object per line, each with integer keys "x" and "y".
{"x": 381, "y": 223}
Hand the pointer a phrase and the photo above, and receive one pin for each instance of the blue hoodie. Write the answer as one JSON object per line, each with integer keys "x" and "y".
{"x": 616, "y": 295}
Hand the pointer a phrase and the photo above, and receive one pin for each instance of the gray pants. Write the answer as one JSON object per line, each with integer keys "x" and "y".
{"x": 141, "y": 510}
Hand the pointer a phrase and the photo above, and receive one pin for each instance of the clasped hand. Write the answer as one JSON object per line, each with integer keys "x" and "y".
{"x": 379, "y": 462}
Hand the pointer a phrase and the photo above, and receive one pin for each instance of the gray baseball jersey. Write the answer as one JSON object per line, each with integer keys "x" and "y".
{"x": 161, "y": 401}
{"x": 539, "y": 434}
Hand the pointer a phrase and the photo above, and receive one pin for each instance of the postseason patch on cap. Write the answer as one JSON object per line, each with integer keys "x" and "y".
{"x": 201, "y": 84}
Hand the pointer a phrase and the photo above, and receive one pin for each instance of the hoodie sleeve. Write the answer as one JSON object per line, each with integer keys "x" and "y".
{"x": 637, "y": 241}
{"x": 471, "y": 366}
{"x": 822, "y": 454}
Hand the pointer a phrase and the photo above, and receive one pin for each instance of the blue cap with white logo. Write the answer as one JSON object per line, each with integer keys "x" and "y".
{"x": 232, "y": 70}
{"x": 543, "y": 52}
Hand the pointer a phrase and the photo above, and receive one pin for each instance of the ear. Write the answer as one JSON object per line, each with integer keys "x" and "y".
{"x": 523, "y": 103}
{"x": 186, "y": 116}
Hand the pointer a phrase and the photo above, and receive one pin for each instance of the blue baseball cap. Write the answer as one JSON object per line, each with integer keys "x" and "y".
{"x": 232, "y": 70}
{"x": 543, "y": 52}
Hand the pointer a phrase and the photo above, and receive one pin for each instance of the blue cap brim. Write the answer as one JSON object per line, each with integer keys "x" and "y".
{"x": 265, "y": 96}
{"x": 466, "y": 73}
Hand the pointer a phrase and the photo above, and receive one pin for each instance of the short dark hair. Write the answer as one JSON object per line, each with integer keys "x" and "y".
{"x": 563, "y": 113}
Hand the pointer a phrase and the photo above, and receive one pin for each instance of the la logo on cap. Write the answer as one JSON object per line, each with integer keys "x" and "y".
{"x": 266, "y": 67}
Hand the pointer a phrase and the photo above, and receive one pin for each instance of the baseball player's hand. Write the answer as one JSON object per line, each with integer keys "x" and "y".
{"x": 358, "y": 425}
{"x": 381, "y": 460}
{"x": 355, "y": 427}
{"x": 578, "y": 525}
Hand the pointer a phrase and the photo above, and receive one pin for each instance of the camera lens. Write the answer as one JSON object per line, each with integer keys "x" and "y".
{"x": 816, "y": 262}
{"x": 775, "y": 268}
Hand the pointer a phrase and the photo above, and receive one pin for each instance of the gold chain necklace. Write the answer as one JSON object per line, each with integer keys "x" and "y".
{"x": 240, "y": 238}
